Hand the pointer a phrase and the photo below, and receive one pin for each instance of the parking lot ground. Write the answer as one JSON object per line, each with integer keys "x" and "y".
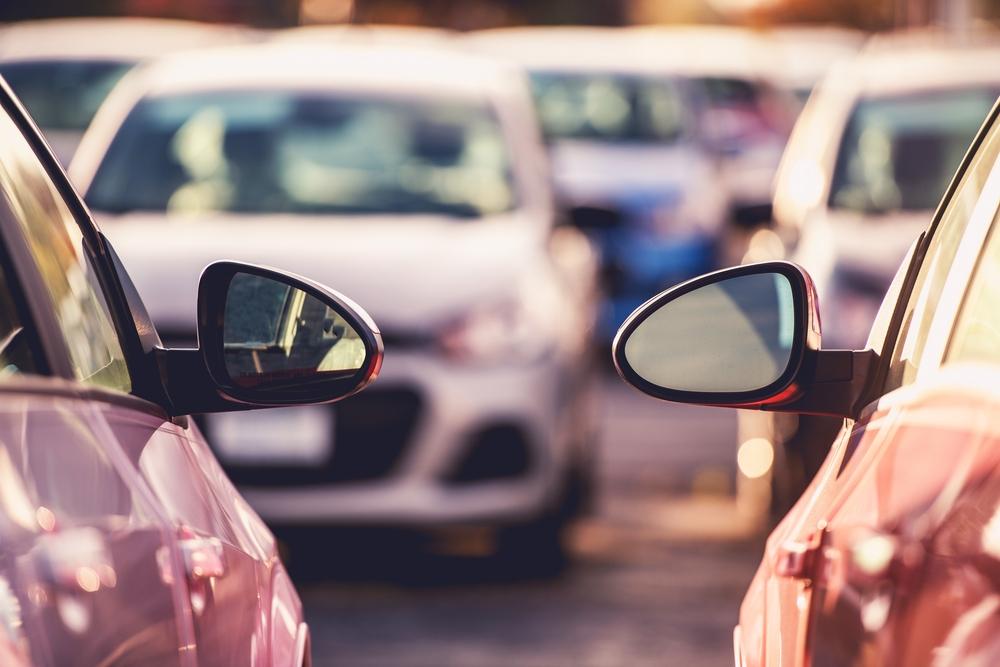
{"x": 656, "y": 579}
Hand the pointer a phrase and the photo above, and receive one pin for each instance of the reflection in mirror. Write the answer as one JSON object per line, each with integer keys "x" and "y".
{"x": 275, "y": 334}
{"x": 735, "y": 335}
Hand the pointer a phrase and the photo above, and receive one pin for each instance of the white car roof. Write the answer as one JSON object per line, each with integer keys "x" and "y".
{"x": 365, "y": 33}
{"x": 806, "y": 53}
{"x": 681, "y": 51}
{"x": 120, "y": 38}
{"x": 380, "y": 68}
{"x": 915, "y": 61}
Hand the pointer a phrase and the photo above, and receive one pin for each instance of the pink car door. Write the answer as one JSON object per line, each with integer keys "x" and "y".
{"x": 90, "y": 560}
{"x": 225, "y": 577}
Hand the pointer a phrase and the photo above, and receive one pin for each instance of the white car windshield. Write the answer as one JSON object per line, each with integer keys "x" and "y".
{"x": 899, "y": 153}
{"x": 306, "y": 153}
{"x": 608, "y": 107}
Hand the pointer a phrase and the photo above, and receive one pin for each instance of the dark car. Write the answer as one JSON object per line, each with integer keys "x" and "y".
{"x": 121, "y": 540}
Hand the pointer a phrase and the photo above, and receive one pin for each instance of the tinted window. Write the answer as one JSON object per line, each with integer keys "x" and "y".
{"x": 63, "y": 94}
{"x": 608, "y": 107}
{"x": 56, "y": 242}
{"x": 301, "y": 154}
{"x": 16, "y": 346}
{"x": 937, "y": 262}
{"x": 899, "y": 153}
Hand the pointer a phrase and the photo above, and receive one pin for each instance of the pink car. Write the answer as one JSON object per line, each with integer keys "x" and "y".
{"x": 892, "y": 555}
{"x": 121, "y": 540}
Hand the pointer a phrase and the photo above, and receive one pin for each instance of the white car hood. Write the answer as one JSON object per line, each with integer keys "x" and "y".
{"x": 409, "y": 273}
{"x": 593, "y": 172}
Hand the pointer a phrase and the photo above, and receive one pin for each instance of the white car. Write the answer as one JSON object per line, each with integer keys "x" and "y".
{"x": 418, "y": 179}
{"x": 62, "y": 69}
{"x": 621, "y": 123}
{"x": 869, "y": 159}
{"x": 805, "y": 54}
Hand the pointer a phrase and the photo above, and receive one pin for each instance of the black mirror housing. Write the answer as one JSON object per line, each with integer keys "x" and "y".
{"x": 248, "y": 358}
{"x": 809, "y": 380}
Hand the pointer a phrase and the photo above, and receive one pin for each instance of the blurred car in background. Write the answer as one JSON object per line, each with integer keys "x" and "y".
{"x": 62, "y": 69}
{"x": 804, "y": 54}
{"x": 416, "y": 177}
{"x": 627, "y": 160}
{"x": 868, "y": 161}
{"x": 889, "y": 558}
{"x": 121, "y": 539}
{"x": 745, "y": 114}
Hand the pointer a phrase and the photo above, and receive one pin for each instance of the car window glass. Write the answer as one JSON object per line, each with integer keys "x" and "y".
{"x": 63, "y": 94}
{"x": 608, "y": 107}
{"x": 16, "y": 346}
{"x": 898, "y": 153}
{"x": 307, "y": 153}
{"x": 923, "y": 300}
{"x": 56, "y": 243}
{"x": 976, "y": 336}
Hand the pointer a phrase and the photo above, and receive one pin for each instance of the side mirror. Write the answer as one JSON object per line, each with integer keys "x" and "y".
{"x": 746, "y": 337}
{"x": 269, "y": 338}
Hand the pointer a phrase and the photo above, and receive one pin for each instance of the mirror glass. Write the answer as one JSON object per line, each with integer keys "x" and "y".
{"x": 275, "y": 334}
{"x": 735, "y": 335}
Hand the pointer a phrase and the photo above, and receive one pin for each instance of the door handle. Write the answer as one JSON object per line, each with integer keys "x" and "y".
{"x": 204, "y": 557}
{"x": 799, "y": 559}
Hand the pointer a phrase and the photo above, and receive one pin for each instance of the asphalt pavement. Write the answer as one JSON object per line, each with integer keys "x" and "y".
{"x": 656, "y": 578}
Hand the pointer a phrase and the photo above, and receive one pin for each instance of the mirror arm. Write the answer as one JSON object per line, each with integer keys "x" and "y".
{"x": 190, "y": 388}
{"x": 837, "y": 382}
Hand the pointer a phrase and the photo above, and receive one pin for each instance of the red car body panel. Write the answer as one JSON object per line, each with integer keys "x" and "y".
{"x": 902, "y": 525}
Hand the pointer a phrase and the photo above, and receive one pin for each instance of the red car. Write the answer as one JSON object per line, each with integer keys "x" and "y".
{"x": 121, "y": 540}
{"x": 892, "y": 555}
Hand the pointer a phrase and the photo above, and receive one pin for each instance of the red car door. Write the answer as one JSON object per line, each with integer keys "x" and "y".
{"x": 774, "y": 614}
{"x": 890, "y": 582}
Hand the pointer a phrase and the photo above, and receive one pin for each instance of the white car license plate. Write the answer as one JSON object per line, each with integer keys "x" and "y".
{"x": 277, "y": 436}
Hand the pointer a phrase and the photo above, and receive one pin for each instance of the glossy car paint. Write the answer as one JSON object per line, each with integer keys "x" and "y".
{"x": 122, "y": 539}
{"x": 890, "y": 556}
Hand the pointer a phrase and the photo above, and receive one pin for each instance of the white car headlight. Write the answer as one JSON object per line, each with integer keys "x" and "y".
{"x": 498, "y": 332}
{"x": 526, "y": 326}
